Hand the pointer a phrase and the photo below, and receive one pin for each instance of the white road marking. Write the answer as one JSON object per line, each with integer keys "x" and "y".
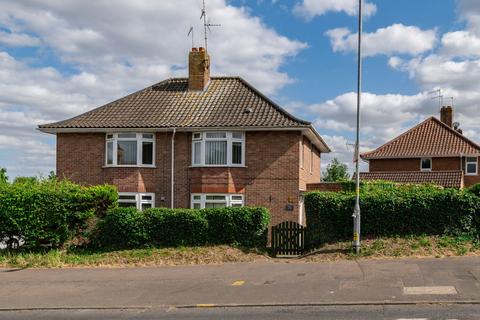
{"x": 430, "y": 290}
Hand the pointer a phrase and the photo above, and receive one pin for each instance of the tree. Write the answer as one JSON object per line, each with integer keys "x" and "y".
{"x": 336, "y": 171}
{"x": 3, "y": 175}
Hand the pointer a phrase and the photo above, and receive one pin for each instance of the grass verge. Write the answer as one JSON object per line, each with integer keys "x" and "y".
{"x": 396, "y": 247}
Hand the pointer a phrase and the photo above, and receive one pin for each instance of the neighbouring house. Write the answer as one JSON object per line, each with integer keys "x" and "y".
{"x": 435, "y": 151}
{"x": 196, "y": 142}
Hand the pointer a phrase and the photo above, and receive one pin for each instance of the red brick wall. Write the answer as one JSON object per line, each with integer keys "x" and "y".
{"x": 308, "y": 176}
{"x": 270, "y": 178}
{"x": 413, "y": 164}
{"x": 325, "y": 186}
{"x": 471, "y": 180}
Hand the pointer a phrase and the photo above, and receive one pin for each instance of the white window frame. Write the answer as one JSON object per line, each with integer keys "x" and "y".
{"x": 201, "y": 138}
{"x": 426, "y": 169}
{"x": 138, "y": 198}
{"x": 230, "y": 199}
{"x": 471, "y": 162}
{"x": 113, "y": 137}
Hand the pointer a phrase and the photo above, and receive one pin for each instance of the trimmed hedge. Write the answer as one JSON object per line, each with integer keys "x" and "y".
{"x": 40, "y": 213}
{"x": 130, "y": 228}
{"x": 404, "y": 210}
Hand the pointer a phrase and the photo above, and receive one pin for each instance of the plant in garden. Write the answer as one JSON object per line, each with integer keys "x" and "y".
{"x": 336, "y": 171}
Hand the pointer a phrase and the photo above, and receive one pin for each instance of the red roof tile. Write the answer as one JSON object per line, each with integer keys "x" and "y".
{"x": 430, "y": 138}
{"x": 450, "y": 179}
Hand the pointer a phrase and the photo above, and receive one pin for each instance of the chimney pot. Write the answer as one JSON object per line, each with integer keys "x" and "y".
{"x": 194, "y": 49}
{"x": 201, "y": 49}
{"x": 446, "y": 115}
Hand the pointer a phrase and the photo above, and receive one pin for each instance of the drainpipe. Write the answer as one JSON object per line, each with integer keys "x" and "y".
{"x": 173, "y": 170}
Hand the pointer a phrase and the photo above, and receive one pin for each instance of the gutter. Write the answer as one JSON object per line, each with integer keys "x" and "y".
{"x": 172, "y": 192}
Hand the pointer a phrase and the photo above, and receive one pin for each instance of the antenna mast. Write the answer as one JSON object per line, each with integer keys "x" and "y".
{"x": 206, "y": 24}
{"x": 190, "y": 31}
{"x": 439, "y": 96}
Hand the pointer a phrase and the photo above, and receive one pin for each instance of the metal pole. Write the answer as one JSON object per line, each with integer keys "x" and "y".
{"x": 356, "y": 211}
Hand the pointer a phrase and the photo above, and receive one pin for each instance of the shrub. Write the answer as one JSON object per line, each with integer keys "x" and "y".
{"x": 244, "y": 226}
{"x": 404, "y": 210}
{"x": 475, "y": 189}
{"x": 129, "y": 228}
{"x": 48, "y": 213}
{"x": 124, "y": 228}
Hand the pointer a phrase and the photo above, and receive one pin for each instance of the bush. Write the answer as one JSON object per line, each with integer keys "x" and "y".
{"x": 38, "y": 213}
{"x": 475, "y": 189}
{"x": 130, "y": 228}
{"x": 404, "y": 210}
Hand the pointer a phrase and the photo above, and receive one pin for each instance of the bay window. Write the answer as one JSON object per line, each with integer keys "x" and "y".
{"x": 471, "y": 165}
{"x": 141, "y": 201}
{"x": 202, "y": 200}
{"x": 130, "y": 149}
{"x": 218, "y": 149}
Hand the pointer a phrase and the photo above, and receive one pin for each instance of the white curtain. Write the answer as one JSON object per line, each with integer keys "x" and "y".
{"x": 216, "y": 152}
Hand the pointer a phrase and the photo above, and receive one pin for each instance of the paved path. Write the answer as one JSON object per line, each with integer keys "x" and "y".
{"x": 377, "y": 281}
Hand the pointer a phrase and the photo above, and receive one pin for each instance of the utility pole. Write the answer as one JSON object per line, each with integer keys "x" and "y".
{"x": 356, "y": 210}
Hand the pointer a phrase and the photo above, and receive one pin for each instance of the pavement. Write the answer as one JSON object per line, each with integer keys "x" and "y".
{"x": 400, "y": 283}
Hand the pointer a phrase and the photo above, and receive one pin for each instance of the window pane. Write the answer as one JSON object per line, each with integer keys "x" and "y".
{"x": 146, "y": 197}
{"x": 197, "y": 136}
{"x": 126, "y": 197}
{"x": 471, "y": 168}
{"x": 196, "y": 206}
{"x": 219, "y": 198}
{"x": 146, "y": 206}
{"x": 196, "y": 197}
{"x": 216, "y": 152}
{"x": 426, "y": 164}
{"x": 110, "y": 152}
{"x": 147, "y": 135}
{"x": 236, "y": 152}
{"x": 127, "y": 152}
{"x": 237, "y": 135}
{"x": 237, "y": 205}
{"x": 216, "y": 135}
{"x": 127, "y": 135}
{"x": 237, "y": 198}
{"x": 109, "y": 136}
{"x": 215, "y": 204}
{"x": 127, "y": 204}
{"x": 147, "y": 152}
{"x": 197, "y": 153}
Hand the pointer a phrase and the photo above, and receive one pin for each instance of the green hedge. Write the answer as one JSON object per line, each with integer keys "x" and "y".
{"x": 404, "y": 210}
{"x": 48, "y": 213}
{"x": 129, "y": 228}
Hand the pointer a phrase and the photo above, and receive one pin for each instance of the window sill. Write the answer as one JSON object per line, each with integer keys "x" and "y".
{"x": 220, "y": 166}
{"x": 129, "y": 166}
{"x": 471, "y": 174}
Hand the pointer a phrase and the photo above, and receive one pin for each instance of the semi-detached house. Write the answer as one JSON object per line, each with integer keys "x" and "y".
{"x": 196, "y": 142}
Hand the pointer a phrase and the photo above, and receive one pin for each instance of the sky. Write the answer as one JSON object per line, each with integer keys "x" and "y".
{"x": 60, "y": 58}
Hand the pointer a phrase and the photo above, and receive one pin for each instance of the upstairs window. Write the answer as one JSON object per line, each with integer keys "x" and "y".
{"x": 130, "y": 149}
{"x": 471, "y": 165}
{"x": 218, "y": 149}
{"x": 426, "y": 164}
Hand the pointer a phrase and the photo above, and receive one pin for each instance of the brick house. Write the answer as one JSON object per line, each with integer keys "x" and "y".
{"x": 194, "y": 142}
{"x": 435, "y": 151}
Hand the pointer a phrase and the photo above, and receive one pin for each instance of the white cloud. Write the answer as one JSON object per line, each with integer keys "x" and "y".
{"x": 12, "y": 39}
{"x": 311, "y": 8}
{"x": 461, "y": 44}
{"x": 113, "y": 50}
{"x": 394, "y": 39}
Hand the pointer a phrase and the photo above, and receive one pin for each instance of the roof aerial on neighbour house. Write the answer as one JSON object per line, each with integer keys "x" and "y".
{"x": 227, "y": 102}
{"x": 452, "y": 179}
{"x": 431, "y": 138}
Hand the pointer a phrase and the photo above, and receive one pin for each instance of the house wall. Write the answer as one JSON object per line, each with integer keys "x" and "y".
{"x": 471, "y": 180}
{"x": 309, "y": 172}
{"x": 270, "y": 178}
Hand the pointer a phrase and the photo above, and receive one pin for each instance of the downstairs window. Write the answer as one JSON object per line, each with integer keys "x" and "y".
{"x": 203, "y": 200}
{"x": 141, "y": 201}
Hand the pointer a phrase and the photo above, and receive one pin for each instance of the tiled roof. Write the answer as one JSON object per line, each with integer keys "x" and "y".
{"x": 169, "y": 103}
{"x": 430, "y": 138}
{"x": 453, "y": 179}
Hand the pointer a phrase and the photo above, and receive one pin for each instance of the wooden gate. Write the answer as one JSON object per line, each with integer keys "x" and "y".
{"x": 288, "y": 239}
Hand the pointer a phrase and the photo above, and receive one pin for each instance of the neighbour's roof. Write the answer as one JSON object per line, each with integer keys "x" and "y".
{"x": 450, "y": 179}
{"x": 431, "y": 138}
{"x": 170, "y": 104}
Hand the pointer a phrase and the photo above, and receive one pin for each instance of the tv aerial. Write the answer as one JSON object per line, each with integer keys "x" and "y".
{"x": 206, "y": 24}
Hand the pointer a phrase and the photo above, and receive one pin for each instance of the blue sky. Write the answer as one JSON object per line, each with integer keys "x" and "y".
{"x": 62, "y": 58}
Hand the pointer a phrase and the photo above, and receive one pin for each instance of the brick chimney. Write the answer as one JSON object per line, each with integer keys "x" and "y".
{"x": 446, "y": 115}
{"x": 198, "y": 69}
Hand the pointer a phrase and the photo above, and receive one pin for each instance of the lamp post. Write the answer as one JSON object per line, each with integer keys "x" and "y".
{"x": 356, "y": 210}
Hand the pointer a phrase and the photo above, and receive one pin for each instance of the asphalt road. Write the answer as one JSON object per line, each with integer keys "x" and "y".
{"x": 437, "y": 312}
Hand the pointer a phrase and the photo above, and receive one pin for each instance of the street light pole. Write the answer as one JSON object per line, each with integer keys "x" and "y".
{"x": 356, "y": 211}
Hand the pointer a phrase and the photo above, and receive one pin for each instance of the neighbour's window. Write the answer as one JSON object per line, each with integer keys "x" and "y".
{"x": 426, "y": 164}
{"x": 218, "y": 148}
{"x": 202, "y": 200}
{"x": 141, "y": 201}
{"x": 471, "y": 165}
{"x": 130, "y": 149}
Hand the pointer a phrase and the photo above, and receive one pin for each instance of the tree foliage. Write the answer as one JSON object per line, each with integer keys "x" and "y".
{"x": 336, "y": 171}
